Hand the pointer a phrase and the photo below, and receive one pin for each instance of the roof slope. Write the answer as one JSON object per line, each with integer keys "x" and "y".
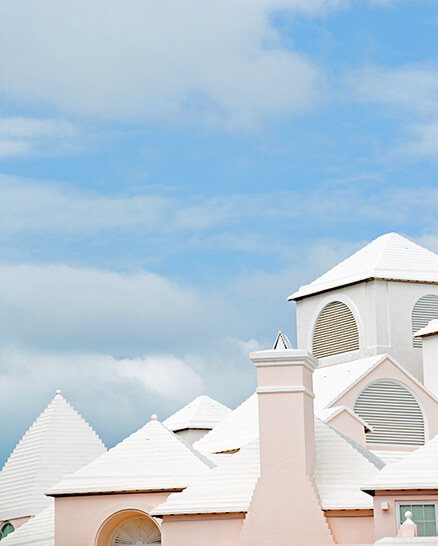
{"x": 390, "y": 256}
{"x": 60, "y": 441}
{"x": 201, "y": 413}
{"x": 239, "y": 428}
{"x": 39, "y": 531}
{"x": 151, "y": 459}
{"x": 341, "y": 466}
{"x": 418, "y": 470}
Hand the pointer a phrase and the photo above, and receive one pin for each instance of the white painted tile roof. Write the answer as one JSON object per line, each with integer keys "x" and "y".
{"x": 340, "y": 468}
{"x": 60, "y": 441}
{"x": 151, "y": 459}
{"x": 39, "y": 531}
{"x": 389, "y": 456}
{"x": 390, "y": 256}
{"x": 238, "y": 429}
{"x": 431, "y": 328}
{"x": 202, "y": 413}
{"x": 330, "y": 382}
{"x": 418, "y": 470}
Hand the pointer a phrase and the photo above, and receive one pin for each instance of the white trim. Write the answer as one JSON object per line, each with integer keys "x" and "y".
{"x": 273, "y": 390}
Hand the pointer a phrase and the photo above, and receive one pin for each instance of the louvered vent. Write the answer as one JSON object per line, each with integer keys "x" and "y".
{"x": 423, "y": 312}
{"x": 393, "y": 413}
{"x": 137, "y": 530}
{"x": 335, "y": 331}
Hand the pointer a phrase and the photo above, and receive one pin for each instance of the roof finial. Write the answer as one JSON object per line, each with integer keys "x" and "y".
{"x": 154, "y": 417}
{"x": 58, "y": 391}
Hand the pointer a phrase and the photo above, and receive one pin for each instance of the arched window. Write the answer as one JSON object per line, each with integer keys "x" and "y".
{"x": 136, "y": 530}
{"x": 6, "y": 530}
{"x": 335, "y": 331}
{"x": 393, "y": 412}
{"x": 423, "y": 312}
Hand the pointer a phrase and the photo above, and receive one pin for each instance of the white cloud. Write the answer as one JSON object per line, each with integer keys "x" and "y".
{"x": 410, "y": 93}
{"x": 216, "y": 62}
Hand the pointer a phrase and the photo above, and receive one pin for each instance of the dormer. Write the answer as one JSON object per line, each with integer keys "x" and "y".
{"x": 371, "y": 303}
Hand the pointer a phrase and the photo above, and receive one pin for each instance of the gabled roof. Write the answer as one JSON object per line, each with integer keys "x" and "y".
{"x": 390, "y": 256}
{"x": 38, "y": 531}
{"x": 151, "y": 459}
{"x": 60, "y": 441}
{"x": 341, "y": 466}
{"x": 202, "y": 413}
{"x": 418, "y": 470}
{"x": 239, "y": 428}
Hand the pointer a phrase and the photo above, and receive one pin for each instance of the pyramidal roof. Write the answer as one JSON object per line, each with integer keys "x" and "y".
{"x": 38, "y": 531}
{"x": 341, "y": 466}
{"x": 151, "y": 459}
{"x": 418, "y": 470}
{"x": 60, "y": 441}
{"x": 201, "y": 413}
{"x": 390, "y": 256}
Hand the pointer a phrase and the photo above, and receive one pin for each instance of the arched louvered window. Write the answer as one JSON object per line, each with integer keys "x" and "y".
{"x": 335, "y": 331}
{"x": 136, "y": 530}
{"x": 393, "y": 412}
{"x": 423, "y": 312}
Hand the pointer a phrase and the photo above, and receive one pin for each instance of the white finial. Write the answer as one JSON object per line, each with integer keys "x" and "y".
{"x": 408, "y": 514}
{"x": 154, "y": 417}
{"x": 58, "y": 391}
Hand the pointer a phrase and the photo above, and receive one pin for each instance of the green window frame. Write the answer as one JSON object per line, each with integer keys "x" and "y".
{"x": 423, "y": 514}
{"x": 6, "y": 530}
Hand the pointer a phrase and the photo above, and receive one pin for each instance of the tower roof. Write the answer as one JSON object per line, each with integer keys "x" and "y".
{"x": 60, "y": 441}
{"x": 151, "y": 459}
{"x": 389, "y": 257}
{"x": 201, "y": 413}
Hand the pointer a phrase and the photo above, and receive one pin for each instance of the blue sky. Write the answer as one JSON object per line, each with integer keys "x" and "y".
{"x": 171, "y": 171}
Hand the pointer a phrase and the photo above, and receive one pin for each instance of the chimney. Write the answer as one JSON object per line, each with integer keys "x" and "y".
{"x": 285, "y": 507}
{"x": 429, "y": 334}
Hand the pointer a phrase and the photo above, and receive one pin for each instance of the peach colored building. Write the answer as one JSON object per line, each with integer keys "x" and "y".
{"x": 339, "y": 444}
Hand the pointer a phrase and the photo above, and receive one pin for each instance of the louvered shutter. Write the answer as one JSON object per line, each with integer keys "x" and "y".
{"x": 137, "y": 530}
{"x": 335, "y": 331}
{"x": 393, "y": 412}
{"x": 423, "y": 312}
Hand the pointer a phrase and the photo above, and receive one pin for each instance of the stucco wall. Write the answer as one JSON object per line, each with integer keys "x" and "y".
{"x": 351, "y": 527}
{"x": 211, "y": 530}
{"x": 80, "y": 519}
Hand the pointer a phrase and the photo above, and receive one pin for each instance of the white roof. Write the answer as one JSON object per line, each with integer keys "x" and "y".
{"x": 151, "y": 459}
{"x": 390, "y": 256}
{"x": 330, "y": 382}
{"x": 431, "y": 328}
{"x": 418, "y": 470}
{"x": 60, "y": 441}
{"x": 238, "y": 429}
{"x": 38, "y": 531}
{"x": 341, "y": 466}
{"x": 202, "y": 413}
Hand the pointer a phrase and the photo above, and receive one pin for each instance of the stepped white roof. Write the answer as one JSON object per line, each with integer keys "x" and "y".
{"x": 151, "y": 459}
{"x": 238, "y": 429}
{"x": 39, "y": 531}
{"x": 341, "y": 466}
{"x": 202, "y": 413}
{"x": 390, "y": 256}
{"x": 60, "y": 441}
{"x": 418, "y": 470}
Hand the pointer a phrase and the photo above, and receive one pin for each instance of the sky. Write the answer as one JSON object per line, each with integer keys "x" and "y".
{"x": 171, "y": 171}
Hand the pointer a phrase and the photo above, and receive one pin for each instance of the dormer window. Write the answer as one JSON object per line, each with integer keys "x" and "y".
{"x": 6, "y": 530}
{"x": 335, "y": 331}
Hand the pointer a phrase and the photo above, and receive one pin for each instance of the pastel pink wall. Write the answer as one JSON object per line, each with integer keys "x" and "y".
{"x": 80, "y": 519}
{"x": 385, "y": 521}
{"x": 349, "y": 425}
{"x": 208, "y": 530}
{"x": 387, "y": 370}
{"x": 351, "y": 527}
